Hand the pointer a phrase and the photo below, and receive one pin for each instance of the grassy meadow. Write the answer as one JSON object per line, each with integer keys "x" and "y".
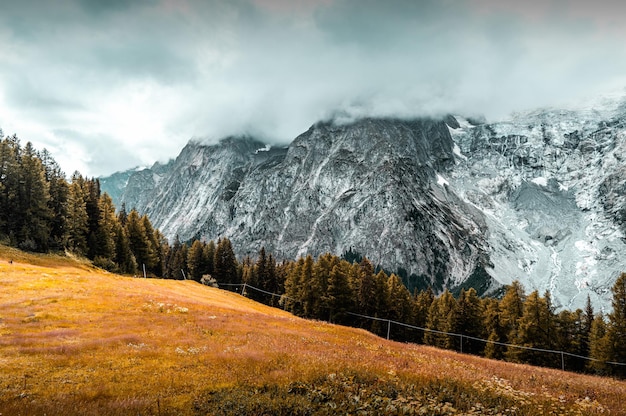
{"x": 75, "y": 340}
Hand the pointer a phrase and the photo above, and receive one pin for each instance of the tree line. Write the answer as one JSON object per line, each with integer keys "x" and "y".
{"x": 331, "y": 288}
{"x": 41, "y": 211}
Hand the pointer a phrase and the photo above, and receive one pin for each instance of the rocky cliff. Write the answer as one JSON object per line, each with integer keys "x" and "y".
{"x": 449, "y": 203}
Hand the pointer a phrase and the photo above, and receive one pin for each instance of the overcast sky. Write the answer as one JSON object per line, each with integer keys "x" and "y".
{"x": 108, "y": 85}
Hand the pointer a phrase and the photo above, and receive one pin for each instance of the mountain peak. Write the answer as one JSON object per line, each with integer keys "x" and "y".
{"x": 443, "y": 202}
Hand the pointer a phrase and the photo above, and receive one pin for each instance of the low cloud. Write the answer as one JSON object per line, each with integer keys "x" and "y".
{"x": 110, "y": 85}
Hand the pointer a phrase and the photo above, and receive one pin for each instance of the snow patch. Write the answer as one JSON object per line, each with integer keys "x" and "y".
{"x": 585, "y": 246}
{"x": 541, "y": 181}
{"x": 441, "y": 181}
{"x": 457, "y": 151}
{"x": 263, "y": 149}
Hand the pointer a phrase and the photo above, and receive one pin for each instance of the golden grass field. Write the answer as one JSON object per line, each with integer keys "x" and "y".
{"x": 75, "y": 340}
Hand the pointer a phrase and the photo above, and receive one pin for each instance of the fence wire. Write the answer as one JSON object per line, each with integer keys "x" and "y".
{"x": 245, "y": 286}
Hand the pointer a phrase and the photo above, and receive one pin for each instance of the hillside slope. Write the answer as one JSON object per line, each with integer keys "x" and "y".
{"x": 75, "y": 340}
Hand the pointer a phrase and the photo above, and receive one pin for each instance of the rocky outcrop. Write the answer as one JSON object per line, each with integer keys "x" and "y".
{"x": 451, "y": 203}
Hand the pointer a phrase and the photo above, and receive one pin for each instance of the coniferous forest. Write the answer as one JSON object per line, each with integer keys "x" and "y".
{"x": 42, "y": 211}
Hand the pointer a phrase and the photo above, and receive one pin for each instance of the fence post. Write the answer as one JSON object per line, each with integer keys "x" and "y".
{"x": 388, "y": 328}
{"x": 562, "y": 361}
{"x": 461, "y": 343}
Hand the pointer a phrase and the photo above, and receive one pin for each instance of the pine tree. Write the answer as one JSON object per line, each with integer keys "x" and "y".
{"x": 195, "y": 260}
{"x": 616, "y": 331}
{"x": 33, "y": 223}
{"x": 153, "y": 260}
{"x": 600, "y": 348}
{"x": 225, "y": 263}
{"x": 105, "y": 232}
{"x": 77, "y": 227}
{"x": 450, "y": 313}
{"x": 272, "y": 284}
{"x": 309, "y": 294}
{"x": 124, "y": 257}
{"x": 92, "y": 205}
{"x": 9, "y": 181}
{"x": 138, "y": 240}
{"x": 122, "y": 216}
{"x": 366, "y": 289}
{"x": 421, "y": 305}
{"x": 496, "y": 333}
{"x": 586, "y": 321}
{"x": 535, "y": 330}
{"x": 339, "y": 296}
{"x": 435, "y": 322}
{"x": 470, "y": 320}
{"x": 511, "y": 310}
{"x": 174, "y": 260}
{"x": 209, "y": 258}
{"x": 570, "y": 338}
{"x": 399, "y": 308}
{"x": 293, "y": 284}
{"x": 58, "y": 203}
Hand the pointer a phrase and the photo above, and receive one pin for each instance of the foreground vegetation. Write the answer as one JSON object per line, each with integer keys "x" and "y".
{"x": 76, "y": 340}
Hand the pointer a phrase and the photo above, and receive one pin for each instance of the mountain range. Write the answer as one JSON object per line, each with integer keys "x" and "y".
{"x": 447, "y": 202}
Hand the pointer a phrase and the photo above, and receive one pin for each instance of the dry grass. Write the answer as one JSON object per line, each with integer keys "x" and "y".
{"x": 76, "y": 340}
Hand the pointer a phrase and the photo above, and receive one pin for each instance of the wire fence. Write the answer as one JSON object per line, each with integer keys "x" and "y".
{"x": 461, "y": 337}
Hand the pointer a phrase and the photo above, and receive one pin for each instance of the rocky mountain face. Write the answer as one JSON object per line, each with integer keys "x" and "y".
{"x": 448, "y": 203}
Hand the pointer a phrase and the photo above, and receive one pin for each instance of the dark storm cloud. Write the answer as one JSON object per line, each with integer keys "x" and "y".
{"x": 133, "y": 81}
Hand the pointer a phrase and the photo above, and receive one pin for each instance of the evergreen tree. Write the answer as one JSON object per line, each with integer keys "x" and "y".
{"x": 105, "y": 232}
{"x": 586, "y": 321}
{"x": 195, "y": 260}
{"x": 309, "y": 292}
{"x": 9, "y": 181}
{"x": 496, "y": 332}
{"x": 470, "y": 321}
{"x": 33, "y": 215}
{"x": 381, "y": 294}
{"x": 58, "y": 203}
{"x": 209, "y": 258}
{"x": 451, "y": 323}
{"x": 366, "y": 289}
{"x": 92, "y": 206}
{"x": 162, "y": 253}
{"x": 570, "y": 338}
{"x": 225, "y": 263}
{"x": 442, "y": 316}
{"x": 124, "y": 257}
{"x": 616, "y": 331}
{"x": 77, "y": 227}
{"x": 177, "y": 261}
{"x": 511, "y": 310}
{"x": 535, "y": 329}
{"x": 293, "y": 283}
{"x": 600, "y": 348}
{"x": 122, "y": 216}
{"x": 400, "y": 307}
{"x": 421, "y": 305}
{"x": 138, "y": 240}
{"x": 153, "y": 259}
{"x": 272, "y": 283}
{"x": 339, "y": 296}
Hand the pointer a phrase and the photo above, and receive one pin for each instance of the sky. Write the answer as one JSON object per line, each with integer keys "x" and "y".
{"x": 110, "y": 85}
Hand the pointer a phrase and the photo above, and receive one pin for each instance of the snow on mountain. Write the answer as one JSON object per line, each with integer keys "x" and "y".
{"x": 539, "y": 197}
